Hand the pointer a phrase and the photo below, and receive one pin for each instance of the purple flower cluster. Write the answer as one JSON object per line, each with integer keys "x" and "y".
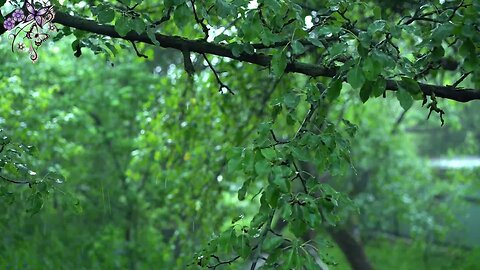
{"x": 9, "y": 24}
{"x": 17, "y": 16}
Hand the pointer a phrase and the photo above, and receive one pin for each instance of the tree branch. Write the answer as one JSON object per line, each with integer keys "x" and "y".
{"x": 203, "y": 47}
{"x": 19, "y": 182}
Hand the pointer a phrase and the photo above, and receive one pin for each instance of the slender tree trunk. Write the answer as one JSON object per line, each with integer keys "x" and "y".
{"x": 352, "y": 249}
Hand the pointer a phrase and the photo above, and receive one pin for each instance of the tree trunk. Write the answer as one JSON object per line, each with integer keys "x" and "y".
{"x": 352, "y": 249}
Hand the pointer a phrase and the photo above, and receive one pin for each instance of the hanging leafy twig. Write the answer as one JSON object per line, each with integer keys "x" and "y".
{"x": 217, "y": 77}
{"x": 139, "y": 54}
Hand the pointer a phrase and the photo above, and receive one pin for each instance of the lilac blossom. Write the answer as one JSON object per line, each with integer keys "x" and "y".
{"x": 18, "y": 15}
{"x": 9, "y": 24}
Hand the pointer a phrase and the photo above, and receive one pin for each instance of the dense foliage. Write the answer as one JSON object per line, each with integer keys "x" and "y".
{"x": 229, "y": 134}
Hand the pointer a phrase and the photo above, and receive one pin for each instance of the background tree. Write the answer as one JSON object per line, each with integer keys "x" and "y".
{"x": 157, "y": 161}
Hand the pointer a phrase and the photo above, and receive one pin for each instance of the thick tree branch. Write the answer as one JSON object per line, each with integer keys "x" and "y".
{"x": 203, "y": 47}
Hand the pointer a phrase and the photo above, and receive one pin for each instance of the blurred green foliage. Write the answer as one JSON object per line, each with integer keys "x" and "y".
{"x": 114, "y": 161}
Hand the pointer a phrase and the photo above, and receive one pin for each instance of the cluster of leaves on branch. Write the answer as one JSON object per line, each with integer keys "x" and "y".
{"x": 15, "y": 170}
{"x": 341, "y": 44}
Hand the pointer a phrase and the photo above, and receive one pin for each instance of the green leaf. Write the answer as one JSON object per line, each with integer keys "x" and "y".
{"x": 333, "y": 90}
{"x": 297, "y": 47}
{"x": 300, "y": 153}
{"x": 106, "y": 15}
{"x": 269, "y": 153}
{"x": 376, "y": 26}
{"x": 467, "y": 49}
{"x": 365, "y": 91}
{"x": 122, "y": 26}
{"x": 243, "y": 190}
{"x": 293, "y": 259}
{"x": 234, "y": 165}
{"x": 278, "y": 64}
{"x": 442, "y": 31}
{"x": 316, "y": 42}
{"x": 262, "y": 167}
{"x": 406, "y": 100}
{"x": 291, "y": 100}
{"x": 377, "y": 12}
{"x": 224, "y": 9}
{"x": 138, "y": 25}
{"x": 379, "y": 86}
{"x": 242, "y": 246}
{"x": 35, "y": 203}
{"x": 355, "y": 77}
{"x": 438, "y": 52}
{"x": 282, "y": 184}
{"x": 336, "y": 49}
{"x": 371, "y": 68}
{"x": 409, "y": 85}
{"x": 182, "y": 15}
{"x": 151, "y": 36}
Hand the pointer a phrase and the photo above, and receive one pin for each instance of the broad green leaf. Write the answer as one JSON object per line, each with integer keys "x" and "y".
{"x": 298, "y": 47}
{"x": 379, "y": 86}
{"x": 233, "y": 165}
{"x": 278, "y": 64}
{"x": 262, "y": 167}
{"x": 333, "y": 90}
{"x": 371, "y": 68}
{"x": 224, "y": 9}
{"x": 376, "y": 26}
{"x": 243, "y": 190}
{"x": 106, "y": 15}
{"x": 138, "y": 25}
{"x": 355, "y": 77}
{"x": 122, "y": 26}
{"x": 365, "y": 91}
{"x": 409, "y": 85}
{"x": 377, "y": 12}
{"x": 242, "y": 246}
{"x": 316, "y": 42}
{"x": 291, "y": 100}
{"x": 442, "y": 31}
{"x": 151, "y": 36}
{"x": 336, "y": 49}
{"x": 282, "y": 184}
{"x": 438, "y": 52}
{"x": 269, "y": 153}
{"x": 406, "y": 100}
{"x": 182, "y": 15}
{"x": 467, "y": 49}
{"x": 292, "y": 258}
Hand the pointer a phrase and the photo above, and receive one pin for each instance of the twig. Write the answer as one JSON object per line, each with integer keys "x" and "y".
{"x": 164, "y": 18}
{"x": 200, "y": 21}
{"x": 20, "y": 182}
{"x": 219, "y": 81}
{"x": 139, "y": 54}
{"x": 464, "y": 76}
{"x": 222, "y": 263}
{"x": 299, "y": 174}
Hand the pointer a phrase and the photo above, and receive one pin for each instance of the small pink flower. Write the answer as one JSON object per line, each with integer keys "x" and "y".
{"x": 18, "y": 15}
{"x": 9, "y": 24}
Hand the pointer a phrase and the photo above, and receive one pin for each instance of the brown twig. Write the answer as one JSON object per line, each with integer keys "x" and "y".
{"x": 217, "y": 77}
